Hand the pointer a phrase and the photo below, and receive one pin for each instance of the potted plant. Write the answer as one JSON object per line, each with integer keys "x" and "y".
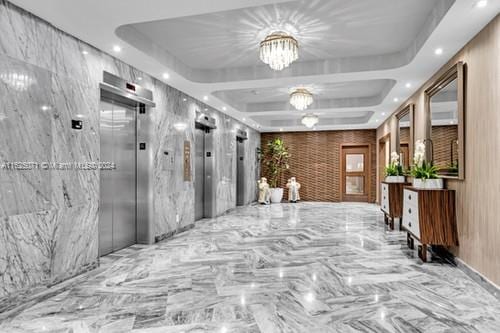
{"x": 275, "y": 157}
{"x": 425, "y": 174}
{"x": 394, "y": 171}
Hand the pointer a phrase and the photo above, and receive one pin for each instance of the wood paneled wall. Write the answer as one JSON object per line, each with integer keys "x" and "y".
{"x": 316, "y": 161}
{"x": 478, "y": 196}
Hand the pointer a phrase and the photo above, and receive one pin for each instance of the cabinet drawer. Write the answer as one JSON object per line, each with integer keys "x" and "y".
{"x": 384, "y": 204}
{"x": 411, "y": 220}
{"x": 384, "y": 198}
{"x": 410, "y": 198}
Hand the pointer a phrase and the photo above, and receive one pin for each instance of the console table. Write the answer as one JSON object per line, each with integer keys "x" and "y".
{"x": 429, "y": 216}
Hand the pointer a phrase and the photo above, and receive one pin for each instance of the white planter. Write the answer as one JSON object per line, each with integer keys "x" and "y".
{"x": 428, "y": 184}
{"x": 276, "y": 195}
{"x": 395, "y": 179}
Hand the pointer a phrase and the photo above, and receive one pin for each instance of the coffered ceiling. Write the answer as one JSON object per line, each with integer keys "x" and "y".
{"x": 360, "y": 59}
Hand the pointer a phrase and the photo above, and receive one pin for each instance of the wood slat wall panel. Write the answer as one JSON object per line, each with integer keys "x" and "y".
{"x": 315, "y": 161}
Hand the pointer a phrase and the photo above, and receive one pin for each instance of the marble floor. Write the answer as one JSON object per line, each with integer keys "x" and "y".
{"x": 307, "y": 267}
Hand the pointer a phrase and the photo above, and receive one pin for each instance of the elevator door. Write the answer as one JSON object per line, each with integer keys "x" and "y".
{"x": 117, "y": 214}
{"x": 240, "y": 172}
{"x": 199, "y": 174}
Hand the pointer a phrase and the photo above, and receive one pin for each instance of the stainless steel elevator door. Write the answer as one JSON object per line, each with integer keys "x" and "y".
{"x": 117, "y": 211}
{"x": 240, "y": 172}
{"x": 199, "y": 174}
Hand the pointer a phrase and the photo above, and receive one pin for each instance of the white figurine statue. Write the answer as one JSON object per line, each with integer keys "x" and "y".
{"x": 293, "y": 190}
{"x": 264, "y": 191}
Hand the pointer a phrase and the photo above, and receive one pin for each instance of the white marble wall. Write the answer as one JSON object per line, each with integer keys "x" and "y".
{"x": 49, "y": 219}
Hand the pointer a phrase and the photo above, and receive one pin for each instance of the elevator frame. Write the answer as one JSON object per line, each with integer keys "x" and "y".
{"x": 241, "y": 137}
{"x": 206, "y": 123}
{"x": 144, "y": 152}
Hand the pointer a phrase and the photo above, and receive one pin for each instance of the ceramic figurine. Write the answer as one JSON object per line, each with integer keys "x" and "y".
{"x": 293, "y": 190}
{"x": 264, "y": 191}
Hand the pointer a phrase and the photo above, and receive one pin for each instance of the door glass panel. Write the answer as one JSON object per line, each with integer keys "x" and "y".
{"x": 354, "y": 184}
{"x": 355, "y": 162}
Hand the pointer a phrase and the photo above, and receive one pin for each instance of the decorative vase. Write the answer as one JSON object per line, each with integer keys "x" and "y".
{"x": 395, "y": 179}
{"x": 428, "y": 184}
{"x": 276, "y": 195}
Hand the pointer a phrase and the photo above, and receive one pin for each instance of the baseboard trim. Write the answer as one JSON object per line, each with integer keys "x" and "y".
{"x": 479, "y": 278}
{"x": 172, "y": 233}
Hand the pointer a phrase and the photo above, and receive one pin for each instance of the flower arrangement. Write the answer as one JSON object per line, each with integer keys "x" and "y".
{"x": 422, "y": 169}
{"x": 394, "y": 168}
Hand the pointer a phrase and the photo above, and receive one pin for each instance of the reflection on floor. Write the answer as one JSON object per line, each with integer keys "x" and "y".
{"x": 307, "y": 267}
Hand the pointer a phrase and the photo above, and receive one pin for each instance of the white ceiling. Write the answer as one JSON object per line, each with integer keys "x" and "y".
{"x": 325, "y": 28}
{"x": 356, "y": 56}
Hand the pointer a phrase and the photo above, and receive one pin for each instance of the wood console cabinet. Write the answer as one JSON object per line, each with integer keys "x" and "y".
{"x": 429, "y": 216}
{"x": 391, "y": 202}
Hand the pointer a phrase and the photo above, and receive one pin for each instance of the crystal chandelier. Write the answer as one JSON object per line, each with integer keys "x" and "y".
{"x": 301, "y": 98}
{"x": 279, "y": 50}
{"x": 309, "y": 120}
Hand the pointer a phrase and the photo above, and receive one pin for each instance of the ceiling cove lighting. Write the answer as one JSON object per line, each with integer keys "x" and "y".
{"x": 279, "y": 50}
{"x": 301, "y": 98}
{"x": 310, "y": 120}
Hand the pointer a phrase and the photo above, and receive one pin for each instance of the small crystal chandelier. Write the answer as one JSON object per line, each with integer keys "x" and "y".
{"x": 310, "y": 120}
{"x": 301, "y": 98}
{"x": 279, "y": 50}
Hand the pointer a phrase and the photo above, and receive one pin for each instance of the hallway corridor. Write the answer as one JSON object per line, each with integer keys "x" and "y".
{"x": 307, "y": 267}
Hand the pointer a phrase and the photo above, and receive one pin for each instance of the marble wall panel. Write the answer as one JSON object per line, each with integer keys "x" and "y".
{"x": 49, "y": 219}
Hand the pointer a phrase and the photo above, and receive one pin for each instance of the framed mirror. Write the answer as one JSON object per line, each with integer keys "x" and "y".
{"x": 404, "y": 137}
{"x": 445, "y": 123}
{"x": 384, "y": 153}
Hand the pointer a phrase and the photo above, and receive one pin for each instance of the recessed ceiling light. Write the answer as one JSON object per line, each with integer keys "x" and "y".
{"x": 396, "y": 99}
{"x": 438, "y": 51}
{"x": 376, "y": 120}
{"x": 45, "y": 107}
{"x": 281, "y": 130}
{"x": 185, "y": 99}
{"x": 117, "y": 48}
{"x": 139, "y": 78}
{"x": 205, "y": 98}
{"x": 383, "y": 113}
{"x": 224, "y": 108}
{"x": 206, "y": 109}
{"x": 408, "y": 85}
{"x": 481, "y": 3}
{"x": 166, "y": 76}
{"x": 85, "y": 52}
{"x": 244, "y": 119}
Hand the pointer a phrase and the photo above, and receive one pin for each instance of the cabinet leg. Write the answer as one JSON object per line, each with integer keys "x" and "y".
{"x": 392, "y": 223}
{"x": 400, "y": 223}
{"x": 422, "y": 252}
{"x": 409, "y": 241}
{"x": 385, "y": 219}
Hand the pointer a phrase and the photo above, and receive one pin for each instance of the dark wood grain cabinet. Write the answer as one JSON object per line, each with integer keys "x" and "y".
{"x": 391, "y": 202}
{"x": 429, "y": 216}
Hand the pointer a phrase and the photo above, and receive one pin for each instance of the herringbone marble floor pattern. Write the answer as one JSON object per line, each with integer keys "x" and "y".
{"x": 307, "y": 267}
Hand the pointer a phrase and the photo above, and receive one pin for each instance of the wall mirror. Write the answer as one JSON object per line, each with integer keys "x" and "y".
{"x": 404, "y": 138}
{"x": 445, "y": 125}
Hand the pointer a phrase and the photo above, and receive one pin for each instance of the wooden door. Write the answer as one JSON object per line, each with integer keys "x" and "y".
{"x": 355, "y": 173}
